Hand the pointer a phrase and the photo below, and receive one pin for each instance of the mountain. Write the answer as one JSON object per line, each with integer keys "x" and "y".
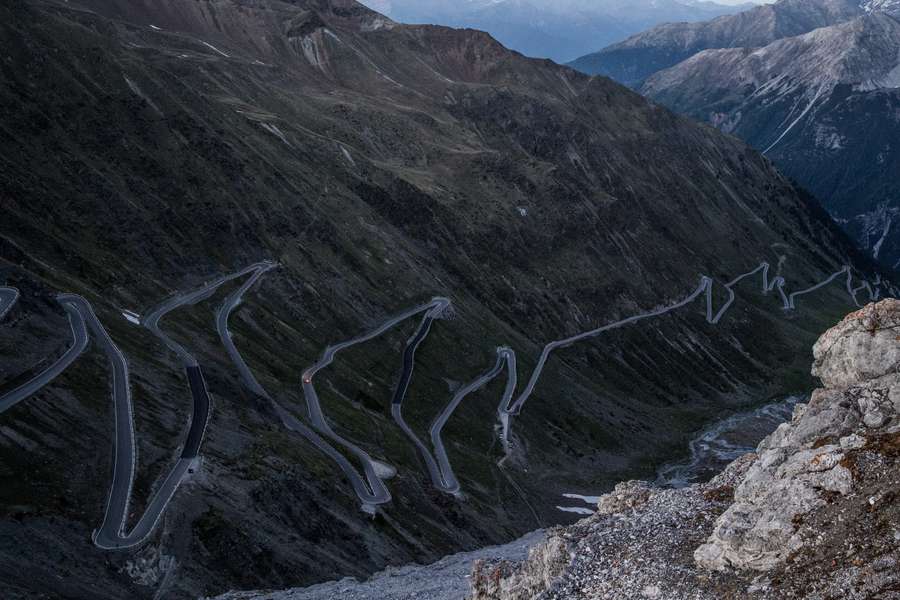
{"x": 636, "y": 58}
{"x": 228, "y": 192}
{"x": 559, "y": 30}
{"x": 822, "y": 105}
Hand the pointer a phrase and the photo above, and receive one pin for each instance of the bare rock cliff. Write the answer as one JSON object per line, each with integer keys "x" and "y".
{"x": 805, "y": 462}
{"x": 812, "y": 514}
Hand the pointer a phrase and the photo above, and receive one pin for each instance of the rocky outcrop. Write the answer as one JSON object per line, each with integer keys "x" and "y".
{"x": 639, "y": 548}
{"x": 815, "y": 508}
{"x": 627, "y": 495}
{"x": 804, "y": 462}
{"x": 863, "y": 347}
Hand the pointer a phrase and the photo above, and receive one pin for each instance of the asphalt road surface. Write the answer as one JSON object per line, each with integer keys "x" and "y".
{"x": 371, "y": 491}
{"x": 509, "y": 408}
{"x": 379, "y": 492}
{"x": 366, "y": 495}
{"x": 200, "y": 415}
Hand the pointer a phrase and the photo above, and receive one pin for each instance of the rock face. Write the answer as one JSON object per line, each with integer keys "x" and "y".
{"x": 804, "y": 463}
{"x": 641, "y": 550}
{"x": 816, "y": 506}
{"x": 863, "y": 347}
{"x": 497, "y": 579}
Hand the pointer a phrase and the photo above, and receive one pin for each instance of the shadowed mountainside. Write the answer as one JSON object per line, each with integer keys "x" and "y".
{"x": 149, "y": 146}
{"x": 824, "y": 106}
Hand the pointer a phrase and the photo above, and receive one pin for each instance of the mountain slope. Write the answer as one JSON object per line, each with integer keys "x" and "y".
{"x": 152, "y": 146}
{"x": 641, "y": 55}
{"x": 823, "y": 106}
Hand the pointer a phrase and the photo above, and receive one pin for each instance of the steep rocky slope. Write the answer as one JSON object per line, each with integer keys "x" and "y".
{"x": 814, "y": 514}
{"x": 636, "y": 58}
{"x": 824, "y": 106}
{"x": 148, "y": 147}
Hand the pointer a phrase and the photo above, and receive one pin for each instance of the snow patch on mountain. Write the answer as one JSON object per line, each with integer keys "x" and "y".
{"x": 885, "y": 6}
{"x": 828, "y": 138}
{"x": 876, "y": 226}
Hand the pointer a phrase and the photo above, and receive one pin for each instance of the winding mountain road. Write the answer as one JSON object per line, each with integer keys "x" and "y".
{"x": 851, "y": 291}
{"x": 79, "y": 343}
{"x": 435, "y": 472}
{"x": 373, "y": 469}
{"x": 438, "y": 465}
{"x": 151, "y": 321}
{"x": 446, "y": 481}
{"x": 509, "y": 409}
{"x": 366, "y": 495}
{"x": 111, "y": 535}
{"x": 370, "y": 490}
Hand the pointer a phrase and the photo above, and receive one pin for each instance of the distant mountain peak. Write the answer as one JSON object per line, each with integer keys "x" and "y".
{"x": 664, "y": 46}
{"x": 821, "y": 104}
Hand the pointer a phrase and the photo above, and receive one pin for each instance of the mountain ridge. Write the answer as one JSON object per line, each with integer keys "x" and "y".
{"x": 643, "y": 54}
{"x": 821, "y": 105}
{"x": 560, "y": 31}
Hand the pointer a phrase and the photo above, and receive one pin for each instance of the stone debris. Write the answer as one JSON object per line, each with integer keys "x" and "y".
{"x": 447, "y": 579}
{"x": 816, "y": 509}
{"x": 625, "y": 496}
{"x": 643, "y": 551}
{"x": 804, "y": 461}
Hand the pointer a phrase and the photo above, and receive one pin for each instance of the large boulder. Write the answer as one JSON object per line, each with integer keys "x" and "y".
{"x": 802, "y": 465}
{"x": 862, "y": 347}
